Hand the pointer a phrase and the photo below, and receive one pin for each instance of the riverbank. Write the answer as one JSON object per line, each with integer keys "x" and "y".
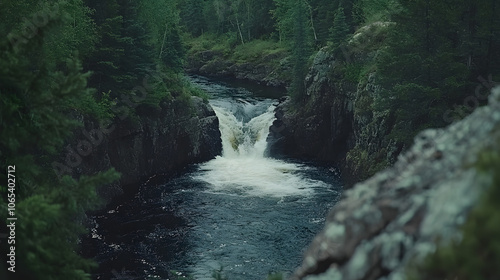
{"x": 336, "y": 120}
{"x": 335, "y": 123}
{"x": 190, "y": 223}
{"x": 261, "y": 61}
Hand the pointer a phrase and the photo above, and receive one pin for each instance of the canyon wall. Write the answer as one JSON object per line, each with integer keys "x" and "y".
{"x": 153, "y": 142}
{"x": 394, "y": 219}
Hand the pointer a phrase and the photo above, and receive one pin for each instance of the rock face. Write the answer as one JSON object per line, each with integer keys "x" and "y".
{"x": 269, "y": 70}
{"x": 396, "y": 216}
{"x": 336, "y": 124}
{"x": 320, "y": 129}
{"x": 158, "y": 142}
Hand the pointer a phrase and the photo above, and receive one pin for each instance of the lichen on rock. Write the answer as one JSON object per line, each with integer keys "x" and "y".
{"x": 397, "y": 216}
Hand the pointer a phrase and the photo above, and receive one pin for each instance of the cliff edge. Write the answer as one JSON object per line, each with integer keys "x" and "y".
{"x": 154, "y": 142}
{"x": 396, "y": 217}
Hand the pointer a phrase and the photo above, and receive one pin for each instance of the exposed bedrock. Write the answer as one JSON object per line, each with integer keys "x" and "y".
{"x": 396, "y": 216}
{"x": 157, "y": 141}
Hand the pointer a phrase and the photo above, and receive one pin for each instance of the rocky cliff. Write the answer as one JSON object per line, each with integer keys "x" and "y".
{"x": 395, "y": 217}
{"x": 156, "y": 142}
{"x": 320, "y": 129}
{"x": 336, "y": 124}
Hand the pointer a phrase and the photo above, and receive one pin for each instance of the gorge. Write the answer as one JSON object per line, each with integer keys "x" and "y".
{"x": 244, "y": 215}
{"x": 242, "y": 211}
{"x": 250, "y": 139}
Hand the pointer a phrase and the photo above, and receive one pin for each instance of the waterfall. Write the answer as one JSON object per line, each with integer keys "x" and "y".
{"x": 242, "y": 211}
{"x": 243, "y": 167}
{"x": 244, "y": 139}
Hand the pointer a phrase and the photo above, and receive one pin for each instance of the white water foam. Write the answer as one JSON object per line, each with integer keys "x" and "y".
{"x": 243, "y": 167}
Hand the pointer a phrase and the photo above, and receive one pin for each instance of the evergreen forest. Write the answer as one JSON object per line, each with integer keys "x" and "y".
{"x": 65, "y": 61}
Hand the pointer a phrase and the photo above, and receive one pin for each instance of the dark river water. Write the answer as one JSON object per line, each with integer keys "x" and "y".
{"x": 242, "y": 213}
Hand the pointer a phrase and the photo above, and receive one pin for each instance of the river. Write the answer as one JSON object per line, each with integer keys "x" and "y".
{"x": 242, "y": 214}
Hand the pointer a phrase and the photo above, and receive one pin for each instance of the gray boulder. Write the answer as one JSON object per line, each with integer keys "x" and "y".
{"x": 398, "y": 215}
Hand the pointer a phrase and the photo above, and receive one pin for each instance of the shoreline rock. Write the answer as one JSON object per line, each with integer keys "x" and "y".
{"x": 334, "y": 124}
{"x": 395, "y": 217}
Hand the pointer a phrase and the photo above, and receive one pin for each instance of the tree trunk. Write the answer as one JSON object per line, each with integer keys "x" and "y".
{"x": 239, "y": 30}
{"x": 248, "y": 21}
{"x": 163, "y": 43}
{"x": 312, "y": 22}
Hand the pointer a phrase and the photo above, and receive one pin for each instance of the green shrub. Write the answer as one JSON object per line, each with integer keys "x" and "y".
{"x": 209, "y": 41}
{"x": 230, "y": 48}
{"x": 352, "y": 72}
{"x": 257, "y": 50}
{"x": 365, "y": 164}
{"x": 193, "y": 90}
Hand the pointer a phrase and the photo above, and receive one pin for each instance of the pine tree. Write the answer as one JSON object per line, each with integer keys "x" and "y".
{"x": 283, "y": 16}
{"x": 75, "y": 31}
{"x": 162, "y": 20}
{"x": 323, "y": 14}
{"x": 138, "y": 57}
{"x": 419, "y": 68}
{"x": 300, "y": 51}
{"x": 483, "y": 37}
{"x": 192, "y": 17}
{"x": 340, "y": 30}
{"x": 106, "y": 59}
{"x": 258, "y": 18}
{"x": 35, "y": 106}
{"x": 349, "y": 7}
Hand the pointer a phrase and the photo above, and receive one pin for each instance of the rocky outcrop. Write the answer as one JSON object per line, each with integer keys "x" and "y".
{"x": 396, "y": 216}
{"x": 157, "y": 142}
{"x": 337, "y": 123}
{"x": 370, "y": 149}
{"x": 269, "y": 70}
{"x": 321, "y": 129}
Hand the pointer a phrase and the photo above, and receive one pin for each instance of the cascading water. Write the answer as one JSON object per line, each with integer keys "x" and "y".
{"x": 242, "y": 212}
{"x": 243, "y": 166}
{"x": 240, "y": 139}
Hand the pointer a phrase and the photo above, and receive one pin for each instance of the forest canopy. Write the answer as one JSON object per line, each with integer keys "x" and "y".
{"x": 62, "y": 61}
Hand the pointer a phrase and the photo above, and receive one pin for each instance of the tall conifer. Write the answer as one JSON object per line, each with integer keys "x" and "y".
{"x": 300, "y": 50}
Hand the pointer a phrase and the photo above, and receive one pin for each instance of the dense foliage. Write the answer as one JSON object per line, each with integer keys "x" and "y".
{"x": 434, "y": 54}
{"x": 433, "y": 57}
{"x": 61, "y": 60}
{"x": 36, "y": 101}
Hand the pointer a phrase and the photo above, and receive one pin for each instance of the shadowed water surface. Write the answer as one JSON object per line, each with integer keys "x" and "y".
{"x": 242, "y": 212}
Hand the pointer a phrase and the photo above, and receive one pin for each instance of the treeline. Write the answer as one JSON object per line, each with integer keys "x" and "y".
{"x": 61, "y": 62}
{"x": 302, "y": 26}
{"x": 267, "y": 19}
{"x": 433, "y": 60}
{"x": 431, "y": 56}
{"x": 135, "y": 40}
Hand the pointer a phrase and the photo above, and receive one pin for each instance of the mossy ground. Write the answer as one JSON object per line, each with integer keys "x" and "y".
{"x": 268, "y": 52}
